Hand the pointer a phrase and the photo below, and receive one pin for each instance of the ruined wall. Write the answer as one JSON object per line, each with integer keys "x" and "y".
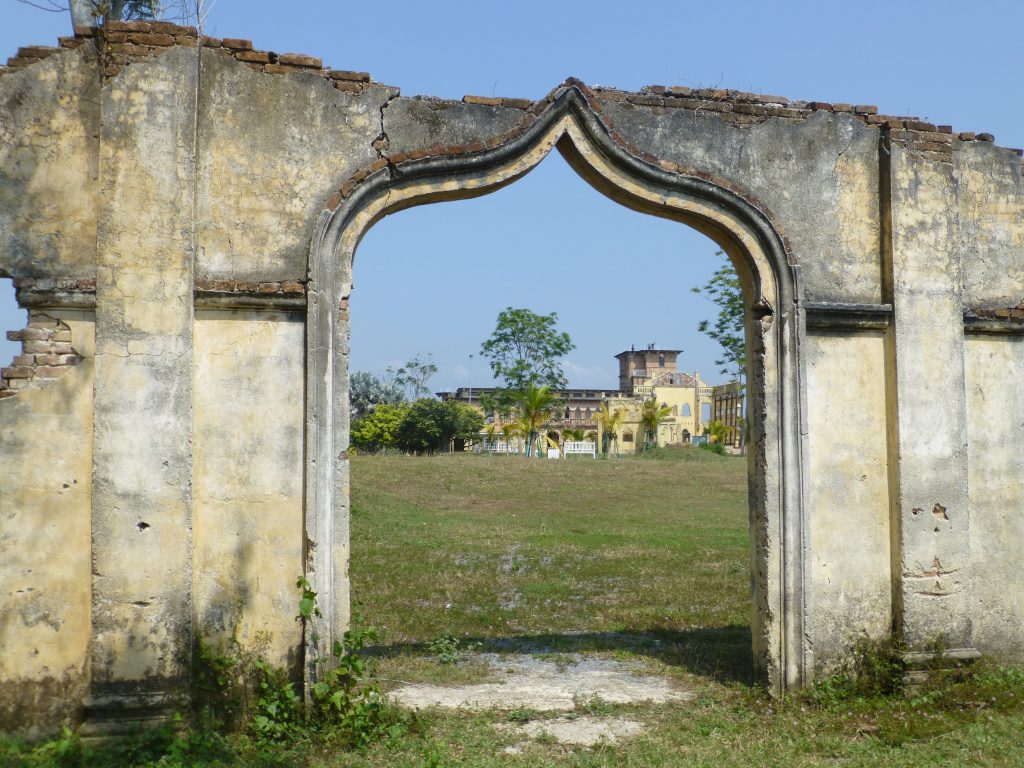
{"x": 849, "y": 471}
{"x": 248, "y": 481}
{"x": 159, "y": 196}
{"x": 46, "y": 482}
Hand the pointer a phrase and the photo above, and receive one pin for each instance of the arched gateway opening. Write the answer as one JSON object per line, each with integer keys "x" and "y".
{"x": 571, "y": 122}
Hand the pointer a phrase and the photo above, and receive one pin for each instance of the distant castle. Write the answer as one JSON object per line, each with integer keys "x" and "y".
{"x": 643, "y": 374}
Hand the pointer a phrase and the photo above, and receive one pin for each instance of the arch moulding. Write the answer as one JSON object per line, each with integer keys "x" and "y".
{"x": 570, "y": 120}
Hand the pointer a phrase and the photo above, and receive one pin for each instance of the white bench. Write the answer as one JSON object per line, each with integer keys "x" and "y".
{"x": 581, "y": 448}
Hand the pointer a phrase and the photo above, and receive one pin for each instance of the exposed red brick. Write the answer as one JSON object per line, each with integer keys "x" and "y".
{"x": 967, "y": 136}
{"x": 269, "y": 287}
{"x": 819, "y": 105}
{"x": 842, "y": 107}
{"x": 985, "y": 137}
{"x": 185, "y": 41}
{"x": 151, "y": 38}
{"x": 347, "y": 86}
{"x": 344, "y": 74}
{"x": 127, "y": 26}
{"x": 516, "y": 103}
{"x": 486, "y": 101}
{"x": 237, "y": 43}
{"x": 82, "y": 30}
{"x": 211, "y": 42}
{"x": 865, "y": 109}
{"x": 678, "y": 90}
{"x": 292, "y": 286}
{"x": 16, "y": 372}
{"x": 300, "y": 60}
{"x": 255, "y": 56}
{"x": 763, "y": 99}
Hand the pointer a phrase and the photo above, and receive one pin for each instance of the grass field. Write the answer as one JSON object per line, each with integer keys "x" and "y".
{"x": 640, "y": 559}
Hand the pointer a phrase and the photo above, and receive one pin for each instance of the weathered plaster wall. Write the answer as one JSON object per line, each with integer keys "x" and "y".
{"x": 49, "y": 137}
{"x": 995, "y": 411}
{"x": 990, "y": 197}
{"x": 248, "y": 481}
{"x": 272, "y": 150}
{"x": 819, "y": 177}
{"x": 142, "y": 471}
{"x": 849, "y": 504}
{"x": 932, "y": 513}
{"x": 46, "y": 482}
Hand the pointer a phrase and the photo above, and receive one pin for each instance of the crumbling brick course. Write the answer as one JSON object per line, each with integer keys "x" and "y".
{"x": 46, "y": 354}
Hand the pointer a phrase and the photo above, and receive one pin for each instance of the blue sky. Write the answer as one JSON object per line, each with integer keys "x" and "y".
{"x": 432, "y": 279}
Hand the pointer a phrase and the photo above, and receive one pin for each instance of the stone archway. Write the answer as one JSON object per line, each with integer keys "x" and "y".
{"x": 570, "y": 121}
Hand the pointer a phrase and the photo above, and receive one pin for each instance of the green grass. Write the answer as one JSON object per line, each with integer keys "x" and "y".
{"x": 643, "y": 559}
{"x": 502, "y": 547}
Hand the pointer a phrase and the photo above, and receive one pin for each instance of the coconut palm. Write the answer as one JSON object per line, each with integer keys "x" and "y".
{"x": 490, "y": 435}
{"x": 534, "y": 405}
{"x": 508, "y": 431}
{"x": 652, "y": 415}
{"x": 608, "y": 420}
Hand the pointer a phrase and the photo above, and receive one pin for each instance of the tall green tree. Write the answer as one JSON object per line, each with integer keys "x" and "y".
{"x": 526, "y": 350}
{"x": 723, "y": 289}
{"x": 414, "y": 376}
{"x": 366, "y": 391}
{"x": 429, "y": 425}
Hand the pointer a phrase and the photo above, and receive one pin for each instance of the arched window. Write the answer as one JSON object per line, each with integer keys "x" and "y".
{"x": 578, "y": 412}
{"x": 686, "y": 410}
{"x": 627, "y": 437}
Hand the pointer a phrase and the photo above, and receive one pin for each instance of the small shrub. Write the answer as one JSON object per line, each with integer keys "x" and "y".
{"x": 277, "y": 714}
{"x": 872, "y": 668}
{"x": 717, "y": 448}
{"x": 446, "y": 648}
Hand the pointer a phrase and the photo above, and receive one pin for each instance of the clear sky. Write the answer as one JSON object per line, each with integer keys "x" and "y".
{"x": 432, "y": 279}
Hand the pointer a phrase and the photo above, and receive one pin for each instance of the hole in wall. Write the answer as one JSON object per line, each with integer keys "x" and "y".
{"x": 12, "y": 318}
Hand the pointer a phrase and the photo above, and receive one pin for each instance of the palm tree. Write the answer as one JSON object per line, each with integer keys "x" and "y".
{"x": 490, "y": 435}
{"x": 608, "y": 421}
{"x": 534, "y": 405}
{"x": 652, "y": 415}
{"x": 508, "y": 431}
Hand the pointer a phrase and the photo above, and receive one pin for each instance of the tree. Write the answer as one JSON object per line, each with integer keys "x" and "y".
{"x": 723, "y": 289}
{"x": 652, "y": 414}
{"x": 508, "y": 431}
{"x": 366, "y": 391}
{"x": 92, "y": 12}
{"x": 414, "y": 376}
{"x": 378, "y": 429}
{"x": 534, "y": 406}
{"x": 525, "y": 350}
{"x": 430, "y": 425}
{"x": 608, "y": 421}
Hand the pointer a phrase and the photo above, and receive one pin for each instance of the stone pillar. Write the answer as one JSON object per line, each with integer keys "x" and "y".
{"x": 931, "y": 521}
{"x": 142, "y": 449}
